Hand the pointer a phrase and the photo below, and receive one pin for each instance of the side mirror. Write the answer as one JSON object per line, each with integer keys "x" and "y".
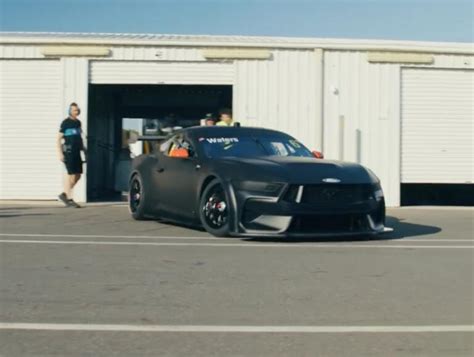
{"x": 179, "y": 152}
{"x": 318, "y": 154}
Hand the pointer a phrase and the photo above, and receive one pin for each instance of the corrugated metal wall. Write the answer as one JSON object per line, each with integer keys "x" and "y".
{"x": 361, "y": 115}
{"x": 281, "y": 93}
{"x": 362, "y": 112}
{"x": 20, "y": 51}
{"x": 30, "y": 114}
{"x": 147, "y": 53}
{"x": 121, "y": 53}
{"x": 133, "y": 72}
{"x": 300, "y": 91}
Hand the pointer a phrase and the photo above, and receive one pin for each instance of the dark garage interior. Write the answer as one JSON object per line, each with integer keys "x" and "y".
{"x": 114, "y": 110}
{"x": 432, "y": 194}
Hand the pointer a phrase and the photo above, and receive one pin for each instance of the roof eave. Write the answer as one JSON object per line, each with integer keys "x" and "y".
{"x": 288, "y": 43}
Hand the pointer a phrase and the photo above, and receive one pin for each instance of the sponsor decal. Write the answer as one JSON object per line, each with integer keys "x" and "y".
{"x": 225, "y": 141}
{"x": 72, "y": 131}
{"x": 331, "y": 180}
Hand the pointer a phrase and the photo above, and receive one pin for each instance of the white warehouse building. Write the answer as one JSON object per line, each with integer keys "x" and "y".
{"x": 402, "y": 109}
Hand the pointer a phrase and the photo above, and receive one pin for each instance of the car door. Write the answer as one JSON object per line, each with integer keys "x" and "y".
{"x": 178, "y": 179}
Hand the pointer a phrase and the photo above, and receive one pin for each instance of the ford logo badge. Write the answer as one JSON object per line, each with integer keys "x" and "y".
{"x": 331, "y": 180}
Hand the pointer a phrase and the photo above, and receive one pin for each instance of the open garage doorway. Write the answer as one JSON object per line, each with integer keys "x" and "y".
{"x": 117, "y": 110}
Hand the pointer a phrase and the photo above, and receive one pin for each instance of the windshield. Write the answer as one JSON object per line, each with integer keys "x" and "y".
{"x": 246, "y": 146}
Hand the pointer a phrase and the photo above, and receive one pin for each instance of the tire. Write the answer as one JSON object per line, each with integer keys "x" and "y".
{"x": 214, "y": 210}
{"x": 136, "y": 198}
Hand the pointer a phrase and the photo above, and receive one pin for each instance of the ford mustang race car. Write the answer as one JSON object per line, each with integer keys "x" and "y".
{"x": 241, "y": 181}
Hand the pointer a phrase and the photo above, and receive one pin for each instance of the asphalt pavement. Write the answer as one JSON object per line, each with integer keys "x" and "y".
{"x": 93, "y": 282}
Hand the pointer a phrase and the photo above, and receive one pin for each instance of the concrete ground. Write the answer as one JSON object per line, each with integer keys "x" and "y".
{"x": 92, "y": 282}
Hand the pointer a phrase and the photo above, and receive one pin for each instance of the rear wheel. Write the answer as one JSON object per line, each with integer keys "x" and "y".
{"x": 136, "y": 198}
{"x": 215, "y": 210}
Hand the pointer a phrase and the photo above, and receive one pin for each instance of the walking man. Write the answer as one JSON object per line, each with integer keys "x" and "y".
{"x": 70, "y": 145}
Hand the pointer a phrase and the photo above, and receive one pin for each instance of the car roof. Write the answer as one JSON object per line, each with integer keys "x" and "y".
{"x": 230, "y": 130}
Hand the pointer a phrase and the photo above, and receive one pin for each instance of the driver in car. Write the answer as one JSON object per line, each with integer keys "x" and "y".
{"x": 180, "y": 148}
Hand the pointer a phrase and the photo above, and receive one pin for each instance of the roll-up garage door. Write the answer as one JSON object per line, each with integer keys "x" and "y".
{"x": 122, "y": 72}
{"x": 30, "y": 114}
{"x": 437, "y": 126}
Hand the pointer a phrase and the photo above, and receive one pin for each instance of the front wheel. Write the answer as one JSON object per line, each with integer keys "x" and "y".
{"x": 136, "y": 198}
{"x": 215, "y": 210}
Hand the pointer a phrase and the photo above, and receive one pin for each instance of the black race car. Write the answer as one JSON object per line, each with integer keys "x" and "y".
{"x": 241, "y": 181}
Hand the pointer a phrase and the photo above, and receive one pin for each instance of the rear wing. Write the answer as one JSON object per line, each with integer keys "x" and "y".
{"x": 152, "y": 137}
{"x": 151, "y": 143}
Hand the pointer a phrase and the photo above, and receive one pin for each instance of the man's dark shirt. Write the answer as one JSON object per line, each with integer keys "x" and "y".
{"x": 71, "y": 129}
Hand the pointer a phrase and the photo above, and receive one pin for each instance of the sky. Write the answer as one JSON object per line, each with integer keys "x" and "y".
{"x": 421, "y": 20}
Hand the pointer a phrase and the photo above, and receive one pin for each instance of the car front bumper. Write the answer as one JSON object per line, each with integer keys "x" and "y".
{"x": 277, "y": 217}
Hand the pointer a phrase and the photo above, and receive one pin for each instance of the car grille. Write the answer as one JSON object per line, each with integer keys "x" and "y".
{"x": 329, "y": 223}
{"x": 335, "y": 193}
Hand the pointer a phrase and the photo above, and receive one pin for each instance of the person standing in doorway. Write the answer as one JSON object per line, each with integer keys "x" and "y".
{"x": 225, "y": 116}
{"x": 209, "y": 120}
{"x": 70, "y": 145}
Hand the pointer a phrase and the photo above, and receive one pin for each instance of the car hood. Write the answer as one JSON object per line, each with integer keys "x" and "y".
{"x": 300, "y": 170}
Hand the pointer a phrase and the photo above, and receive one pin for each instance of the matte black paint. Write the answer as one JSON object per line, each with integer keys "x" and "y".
{"x": 174, "y": 185}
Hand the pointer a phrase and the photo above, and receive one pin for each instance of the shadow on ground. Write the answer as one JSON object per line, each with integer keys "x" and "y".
{"x": 18, "y": 211}
{"x": 12, "y": 215}
{"x": 403, "y": 229}
{"x": 14, "y": 208}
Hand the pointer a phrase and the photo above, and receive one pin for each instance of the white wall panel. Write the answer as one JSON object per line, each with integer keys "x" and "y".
{"x": 120, "y": 53}
{"x": 361, "y": 101}
{"x": 437, "y": 126}
{"x": 361, "y": 115}
{"x": 20, "y": 51}
{"x": 282, "y": 94}
{"x": 453, "y": 61}
{"x": 362, "y": 112}
{"x": 147, "y": 53}
{"x": 132, "y": 72}
{"x": 30, "y": 114}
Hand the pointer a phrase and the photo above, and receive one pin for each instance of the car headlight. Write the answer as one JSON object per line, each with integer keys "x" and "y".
{"x": 378, "y": 192}
{"x": 378, "y": 195}
{"x": 261, "y": 188}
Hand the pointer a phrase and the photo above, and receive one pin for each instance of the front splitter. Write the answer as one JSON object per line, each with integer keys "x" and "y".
{"x": 311, "y": 234}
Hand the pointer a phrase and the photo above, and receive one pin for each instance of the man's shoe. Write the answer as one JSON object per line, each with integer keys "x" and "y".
{"x": 63, "y": 198}
{"x": 72, "y": 204}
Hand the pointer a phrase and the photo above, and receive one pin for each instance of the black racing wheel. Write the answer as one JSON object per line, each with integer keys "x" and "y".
{"x": 215, "y": 210}
{"x": 136, "y": 198}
